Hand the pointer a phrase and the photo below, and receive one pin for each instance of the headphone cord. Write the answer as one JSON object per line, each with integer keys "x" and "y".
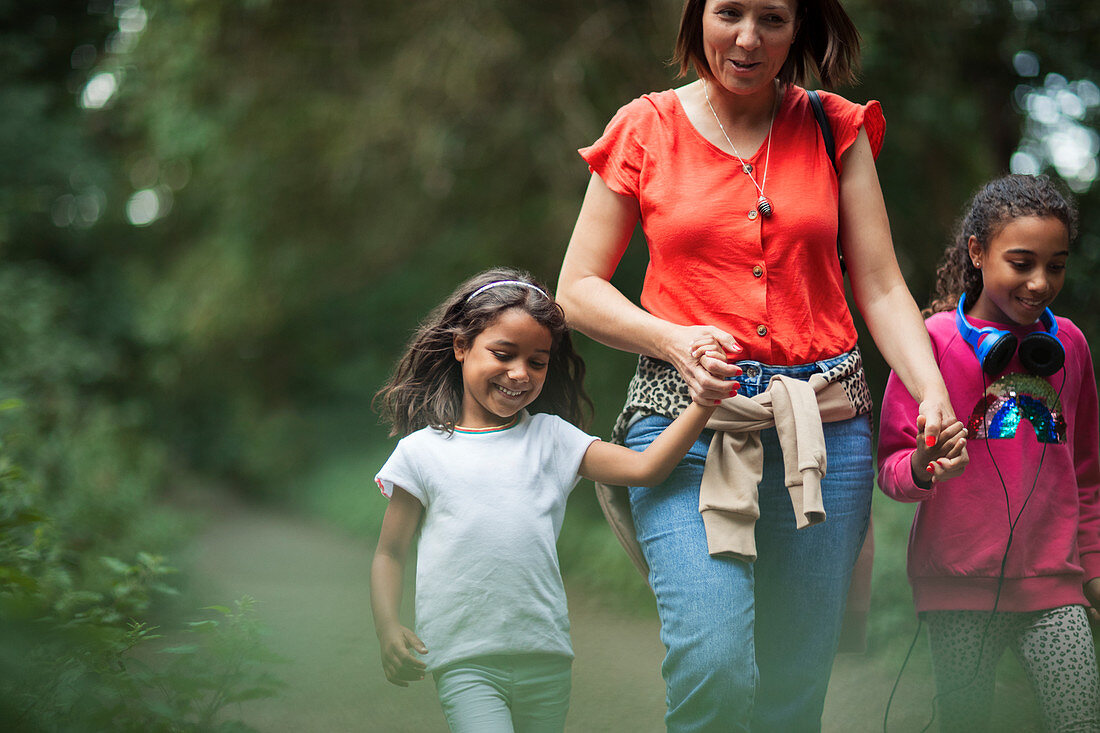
{"x": 897, "y": 680}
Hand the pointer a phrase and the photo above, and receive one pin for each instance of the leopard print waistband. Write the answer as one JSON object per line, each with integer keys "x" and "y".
{"x": 658, "y": 389}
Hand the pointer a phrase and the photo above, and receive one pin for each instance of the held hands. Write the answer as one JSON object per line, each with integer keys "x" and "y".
{"x": 940, "y": 456}
{"x": 397, "y": 644}
{"x": 935, "y": 413}
{"x": 700, "y": 355}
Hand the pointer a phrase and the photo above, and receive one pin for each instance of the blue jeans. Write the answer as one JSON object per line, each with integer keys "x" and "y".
{"x": 750, "y": 646}
{"x": 506, "y": 693}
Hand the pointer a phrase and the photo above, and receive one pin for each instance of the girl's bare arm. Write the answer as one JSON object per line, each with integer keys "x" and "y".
{"x": 397, "y": 642}
{"x": 621, "y": 466}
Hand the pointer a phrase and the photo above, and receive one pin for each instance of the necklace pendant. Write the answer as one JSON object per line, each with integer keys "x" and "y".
{"x": 764, "y": 206}
{"x": 747, "y": 168}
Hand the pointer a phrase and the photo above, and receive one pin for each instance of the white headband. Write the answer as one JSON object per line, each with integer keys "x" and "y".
{"x": 520, "y": 283}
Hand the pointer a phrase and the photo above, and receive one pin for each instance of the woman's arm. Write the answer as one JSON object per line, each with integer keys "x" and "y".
{"x": 880, "y": 292}
{"x": 615, "y": 464}
{"x": 596, "y": 308}
{"x": 396, "y": 641}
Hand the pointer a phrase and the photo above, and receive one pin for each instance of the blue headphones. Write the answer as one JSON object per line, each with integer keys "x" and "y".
{"x": 1041, "y": 352}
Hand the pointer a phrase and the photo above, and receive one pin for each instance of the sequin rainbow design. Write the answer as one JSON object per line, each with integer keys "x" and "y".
{"x": 1014, "y": 397}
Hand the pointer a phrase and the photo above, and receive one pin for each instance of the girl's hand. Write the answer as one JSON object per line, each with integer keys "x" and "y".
{"x": 944, "y": 459}
{"x": 1092, "y": 595}
{"x": 398, "y": 662}
{"x": 700, "y": 354}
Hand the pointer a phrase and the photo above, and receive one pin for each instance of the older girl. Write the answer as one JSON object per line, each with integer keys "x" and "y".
{"x": 1008, "y": 554}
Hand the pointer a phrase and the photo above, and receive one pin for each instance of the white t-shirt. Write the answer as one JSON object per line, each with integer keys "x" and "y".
{"x": 487, "y": 574}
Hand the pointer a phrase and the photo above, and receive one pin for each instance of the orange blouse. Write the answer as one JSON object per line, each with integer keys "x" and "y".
{"x": 774, "y": 283}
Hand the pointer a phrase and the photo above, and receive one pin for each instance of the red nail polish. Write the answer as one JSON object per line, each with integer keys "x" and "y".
{"x": 929, "y": 468}
{"x": 733, "y": 393}
{"x": 929, "y": 440}
{"x": 718, "y": 402}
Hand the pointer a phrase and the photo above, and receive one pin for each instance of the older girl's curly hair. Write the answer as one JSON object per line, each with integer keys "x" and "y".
{"x": 426, "y": 389}
{"x": 994, "y": 206}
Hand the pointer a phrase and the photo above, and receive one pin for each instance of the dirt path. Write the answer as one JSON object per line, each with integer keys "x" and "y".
{"x": 311, "y": 584}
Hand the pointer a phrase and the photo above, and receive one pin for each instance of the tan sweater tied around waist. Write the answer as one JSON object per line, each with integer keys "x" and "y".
{"x": 657, "y": 389}
{"x": 728, "y": 498}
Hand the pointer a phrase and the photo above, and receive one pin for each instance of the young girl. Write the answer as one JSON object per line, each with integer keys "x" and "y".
{"x": 485, "y": 397}
{"x": 1007, "y": 554}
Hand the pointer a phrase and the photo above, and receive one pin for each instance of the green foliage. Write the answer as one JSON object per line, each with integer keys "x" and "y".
{"x": 215, "y": 662}
{"x": 76, "y": 650}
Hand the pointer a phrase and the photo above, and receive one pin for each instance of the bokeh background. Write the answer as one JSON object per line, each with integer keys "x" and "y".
{"x": 221, "y": 220}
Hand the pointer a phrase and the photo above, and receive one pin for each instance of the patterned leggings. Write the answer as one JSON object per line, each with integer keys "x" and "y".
{"x": 1054, "y": 647}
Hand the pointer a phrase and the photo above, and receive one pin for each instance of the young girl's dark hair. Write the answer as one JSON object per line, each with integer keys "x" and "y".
{"x": 826, "y": 44}
{"x": 426, "y": 389}
{"x": 992, "y": 208}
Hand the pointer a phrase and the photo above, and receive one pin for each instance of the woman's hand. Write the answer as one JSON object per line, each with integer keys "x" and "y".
{"x": 934, "y": 415}
{"x": 397, "y": 643}
{"x": 701, "y": 355}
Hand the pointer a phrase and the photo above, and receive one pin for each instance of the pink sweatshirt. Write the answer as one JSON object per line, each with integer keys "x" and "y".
{"x": 961, "y": 527}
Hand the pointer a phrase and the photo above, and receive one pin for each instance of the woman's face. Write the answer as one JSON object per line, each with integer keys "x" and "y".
{"x": 745, "y": 42}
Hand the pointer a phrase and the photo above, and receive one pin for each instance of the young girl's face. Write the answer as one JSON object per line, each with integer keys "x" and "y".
{"x": 503, "y": 368}
{"x": 1023, "y": 269}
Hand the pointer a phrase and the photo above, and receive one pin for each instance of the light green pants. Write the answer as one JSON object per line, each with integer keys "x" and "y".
{"x": 516, "y": 693}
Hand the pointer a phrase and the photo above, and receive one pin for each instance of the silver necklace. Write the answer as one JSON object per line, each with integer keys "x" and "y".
{"x": 763, "y": 205}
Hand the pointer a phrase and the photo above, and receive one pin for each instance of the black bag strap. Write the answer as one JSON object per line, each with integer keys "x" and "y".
{"x": 830, "y": 148}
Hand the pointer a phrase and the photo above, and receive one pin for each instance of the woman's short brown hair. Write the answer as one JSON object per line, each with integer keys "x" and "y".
{"x": 826, "y": 44}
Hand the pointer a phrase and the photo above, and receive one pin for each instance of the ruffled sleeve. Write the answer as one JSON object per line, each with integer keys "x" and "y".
{"x": 847, "y": 118}
{"x": 618, "y": 155}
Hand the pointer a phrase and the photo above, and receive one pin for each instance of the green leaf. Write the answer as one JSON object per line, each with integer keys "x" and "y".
{"x": 203, "y": 625}
{"x": 115, "y": 564}
{"x": 165, "y": 589}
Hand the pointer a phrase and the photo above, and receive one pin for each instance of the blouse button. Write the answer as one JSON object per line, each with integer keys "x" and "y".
{"x": 757, "y": 271}
{"x": 752, "y": 214}
{"x": 762, "y": 330}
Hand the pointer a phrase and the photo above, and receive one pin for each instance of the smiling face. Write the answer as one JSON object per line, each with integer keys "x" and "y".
{"x": 503, "y": 368}
{"x": 1023, "y": 269}
{"x": 745, "y": 42}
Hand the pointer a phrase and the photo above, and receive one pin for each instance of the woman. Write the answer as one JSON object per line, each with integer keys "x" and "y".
{"x": 740, "y": 205}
